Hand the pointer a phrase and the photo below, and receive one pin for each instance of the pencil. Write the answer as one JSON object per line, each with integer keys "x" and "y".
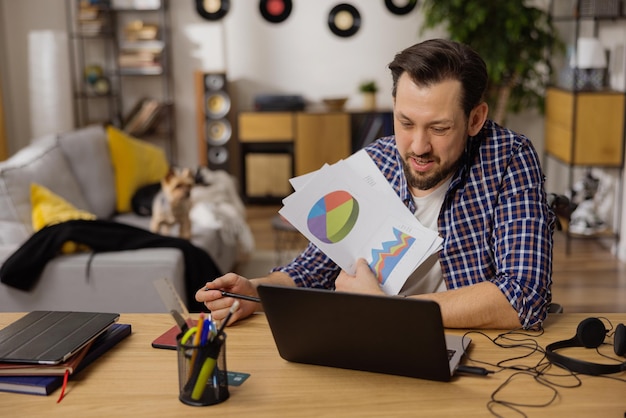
{"x": 196, "y": 341}
{"x": 239, "y": 296}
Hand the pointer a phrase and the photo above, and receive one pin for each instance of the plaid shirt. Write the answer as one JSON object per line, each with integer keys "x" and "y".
{"x": 495, "y": 222}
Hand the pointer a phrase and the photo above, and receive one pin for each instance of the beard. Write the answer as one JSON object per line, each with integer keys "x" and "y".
{"x": 427, "y": 181}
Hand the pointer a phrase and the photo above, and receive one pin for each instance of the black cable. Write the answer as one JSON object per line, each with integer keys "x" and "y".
{"x": 88, "y": 266}
{"x": 538, "y": 371}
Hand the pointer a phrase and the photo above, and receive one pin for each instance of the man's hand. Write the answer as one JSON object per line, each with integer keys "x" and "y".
{"x": 364, "y": 281}
{"x": 219, "y": 306}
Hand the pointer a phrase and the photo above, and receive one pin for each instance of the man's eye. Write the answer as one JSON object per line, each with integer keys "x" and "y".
{"x": 439, "y": 130}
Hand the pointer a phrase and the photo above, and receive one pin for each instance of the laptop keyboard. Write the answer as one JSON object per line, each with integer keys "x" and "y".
{"x": 451, "y": 354}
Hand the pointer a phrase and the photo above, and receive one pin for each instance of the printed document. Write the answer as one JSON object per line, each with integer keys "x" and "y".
{"x": 350, "y": 211}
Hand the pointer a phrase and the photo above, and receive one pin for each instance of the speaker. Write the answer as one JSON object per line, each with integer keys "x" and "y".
{"x": 590, "y": 333}
{"x": 217, "y": 147}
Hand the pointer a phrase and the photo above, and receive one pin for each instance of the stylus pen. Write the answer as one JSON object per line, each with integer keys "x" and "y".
{"x": 238, "y": 296}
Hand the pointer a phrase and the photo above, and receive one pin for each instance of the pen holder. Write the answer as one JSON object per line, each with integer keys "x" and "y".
{"x": 202, "y": 374}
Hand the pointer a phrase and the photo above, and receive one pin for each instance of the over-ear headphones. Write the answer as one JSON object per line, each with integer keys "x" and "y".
{"x": 590, "y": 334}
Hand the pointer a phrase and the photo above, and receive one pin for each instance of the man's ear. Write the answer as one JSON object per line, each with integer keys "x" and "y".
{"x": 477, "y": 118}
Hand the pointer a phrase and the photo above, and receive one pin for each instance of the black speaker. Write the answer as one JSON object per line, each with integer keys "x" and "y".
{"x": 590, "y": 333}
{"x": 217, "y": 147}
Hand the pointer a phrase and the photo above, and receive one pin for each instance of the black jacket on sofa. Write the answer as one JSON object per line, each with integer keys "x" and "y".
{"x": 23, "y": 268}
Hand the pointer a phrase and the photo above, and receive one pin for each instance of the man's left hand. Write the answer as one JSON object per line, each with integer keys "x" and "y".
{"x": 364, "y": 281}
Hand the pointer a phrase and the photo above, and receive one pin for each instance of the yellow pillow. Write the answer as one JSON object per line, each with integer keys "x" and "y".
{"x": 50, "y": 209}
{"x": 136, "y": 163}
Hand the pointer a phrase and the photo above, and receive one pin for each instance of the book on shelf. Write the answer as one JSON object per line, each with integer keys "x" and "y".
{"x": 143, "y": 117}
{"x": 45, "y": 385}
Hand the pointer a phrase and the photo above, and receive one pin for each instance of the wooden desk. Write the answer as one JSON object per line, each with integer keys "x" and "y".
{"x": 136, "y": 380}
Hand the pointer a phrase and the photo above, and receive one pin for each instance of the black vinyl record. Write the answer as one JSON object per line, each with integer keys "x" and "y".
{"x": 212, "y": 9}
{"x": 275, "y": 11}
{"x": 344, "y": 20}
{"x": 407, "y": 6}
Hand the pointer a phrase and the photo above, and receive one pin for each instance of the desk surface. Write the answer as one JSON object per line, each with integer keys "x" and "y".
{"x": 134, "y": 379}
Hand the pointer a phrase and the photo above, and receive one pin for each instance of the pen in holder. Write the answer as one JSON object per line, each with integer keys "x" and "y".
{"x": 202, "y": 374}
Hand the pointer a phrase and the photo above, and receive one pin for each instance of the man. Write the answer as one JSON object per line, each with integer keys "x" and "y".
{"x": 478, "y": 184}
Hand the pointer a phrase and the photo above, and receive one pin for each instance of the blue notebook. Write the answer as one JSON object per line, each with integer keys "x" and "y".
{"x": 45, "y": 385}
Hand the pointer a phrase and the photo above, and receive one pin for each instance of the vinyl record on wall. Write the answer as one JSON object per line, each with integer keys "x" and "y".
{"x": 400, "y": 7}
{"x": 212, "y": 9}
{"x": 344, "y": 20}
{"x": 275, "y": 11}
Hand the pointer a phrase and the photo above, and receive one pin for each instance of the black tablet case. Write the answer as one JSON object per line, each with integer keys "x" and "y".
{"x": 51, "y": 337}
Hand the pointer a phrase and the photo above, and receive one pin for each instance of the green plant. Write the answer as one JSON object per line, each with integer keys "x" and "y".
{"x": 368, "y": 87}
{"x": 513, "y": 38}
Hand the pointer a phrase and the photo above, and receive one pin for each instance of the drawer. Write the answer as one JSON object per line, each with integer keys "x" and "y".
{"x": 266, "y": 127}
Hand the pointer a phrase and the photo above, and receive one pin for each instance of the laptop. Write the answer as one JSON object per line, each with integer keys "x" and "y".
{"x": 398, "y": 336}
{"x": 51, "y": 337}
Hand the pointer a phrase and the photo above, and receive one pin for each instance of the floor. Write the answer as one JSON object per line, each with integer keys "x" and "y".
{"x": 587, "y": 279}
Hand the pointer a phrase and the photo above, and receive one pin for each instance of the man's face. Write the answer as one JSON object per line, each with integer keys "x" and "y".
{"x": 431, "y": 131}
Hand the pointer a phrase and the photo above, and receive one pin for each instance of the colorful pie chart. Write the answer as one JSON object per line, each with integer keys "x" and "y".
{"x": 333, "y": 216}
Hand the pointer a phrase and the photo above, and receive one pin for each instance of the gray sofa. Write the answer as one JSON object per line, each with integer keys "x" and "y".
{"x": 77, "y": 166}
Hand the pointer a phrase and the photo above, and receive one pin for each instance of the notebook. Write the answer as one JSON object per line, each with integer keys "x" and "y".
{"x": 399, "y": 336}
{"x": 44, "y": 385}
{"x": 51, "y": 337}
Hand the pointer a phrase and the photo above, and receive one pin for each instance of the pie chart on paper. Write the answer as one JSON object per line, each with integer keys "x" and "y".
{"x": 333, "y": 216}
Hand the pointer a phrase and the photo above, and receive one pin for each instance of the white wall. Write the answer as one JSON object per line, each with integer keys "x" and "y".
{"x": 19, "y": 18}
{"x": 297, "y": 56}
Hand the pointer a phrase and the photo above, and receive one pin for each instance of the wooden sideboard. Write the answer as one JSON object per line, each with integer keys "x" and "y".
{"x": 275, "y": 146}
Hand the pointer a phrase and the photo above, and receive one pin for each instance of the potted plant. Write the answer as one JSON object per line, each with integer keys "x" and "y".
{"x": 514, "y": 39}
{"x": 368, "y": 90}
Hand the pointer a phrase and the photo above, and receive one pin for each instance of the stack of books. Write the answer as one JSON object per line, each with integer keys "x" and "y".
{"x": 91, "y": 19}
{"x": 38, "y": 378}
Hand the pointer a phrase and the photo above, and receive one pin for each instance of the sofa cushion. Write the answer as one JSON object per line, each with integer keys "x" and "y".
{"x": 136, "y": 163}
{"x": 88, "y": 155}
{"x": 44, "y": 163}
{"x": 50, "y": 209}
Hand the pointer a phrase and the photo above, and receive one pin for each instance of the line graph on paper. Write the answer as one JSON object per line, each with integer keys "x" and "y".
{"x": 385, "y": 260}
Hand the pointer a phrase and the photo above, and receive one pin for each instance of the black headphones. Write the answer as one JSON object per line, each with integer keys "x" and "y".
{"x": 590, "y": 334}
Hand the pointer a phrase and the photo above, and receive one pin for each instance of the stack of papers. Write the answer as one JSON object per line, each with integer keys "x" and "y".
{"x": 350, "y": 211}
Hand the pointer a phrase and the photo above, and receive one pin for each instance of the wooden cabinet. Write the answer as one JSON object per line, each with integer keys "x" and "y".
{"x": 266, "y": 127}
{"x": 266, "y": 142}
{"x": 276, "y": 146}
{"x": 320, "y": 138}
{"x": 585, "y": 128}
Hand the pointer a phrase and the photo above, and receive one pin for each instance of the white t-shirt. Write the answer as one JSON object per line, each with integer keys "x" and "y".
{"x": 427, "y": 278}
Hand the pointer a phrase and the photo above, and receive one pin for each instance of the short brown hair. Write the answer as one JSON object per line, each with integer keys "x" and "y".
{"x": 436, "y": 60}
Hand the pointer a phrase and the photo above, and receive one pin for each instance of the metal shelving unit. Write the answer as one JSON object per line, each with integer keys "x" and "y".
{"x": 121, "y": 67}
{"x": 585, "y": 125}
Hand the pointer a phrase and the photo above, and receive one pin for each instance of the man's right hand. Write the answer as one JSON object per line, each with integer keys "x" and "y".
{"x": 211, "y": 296}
